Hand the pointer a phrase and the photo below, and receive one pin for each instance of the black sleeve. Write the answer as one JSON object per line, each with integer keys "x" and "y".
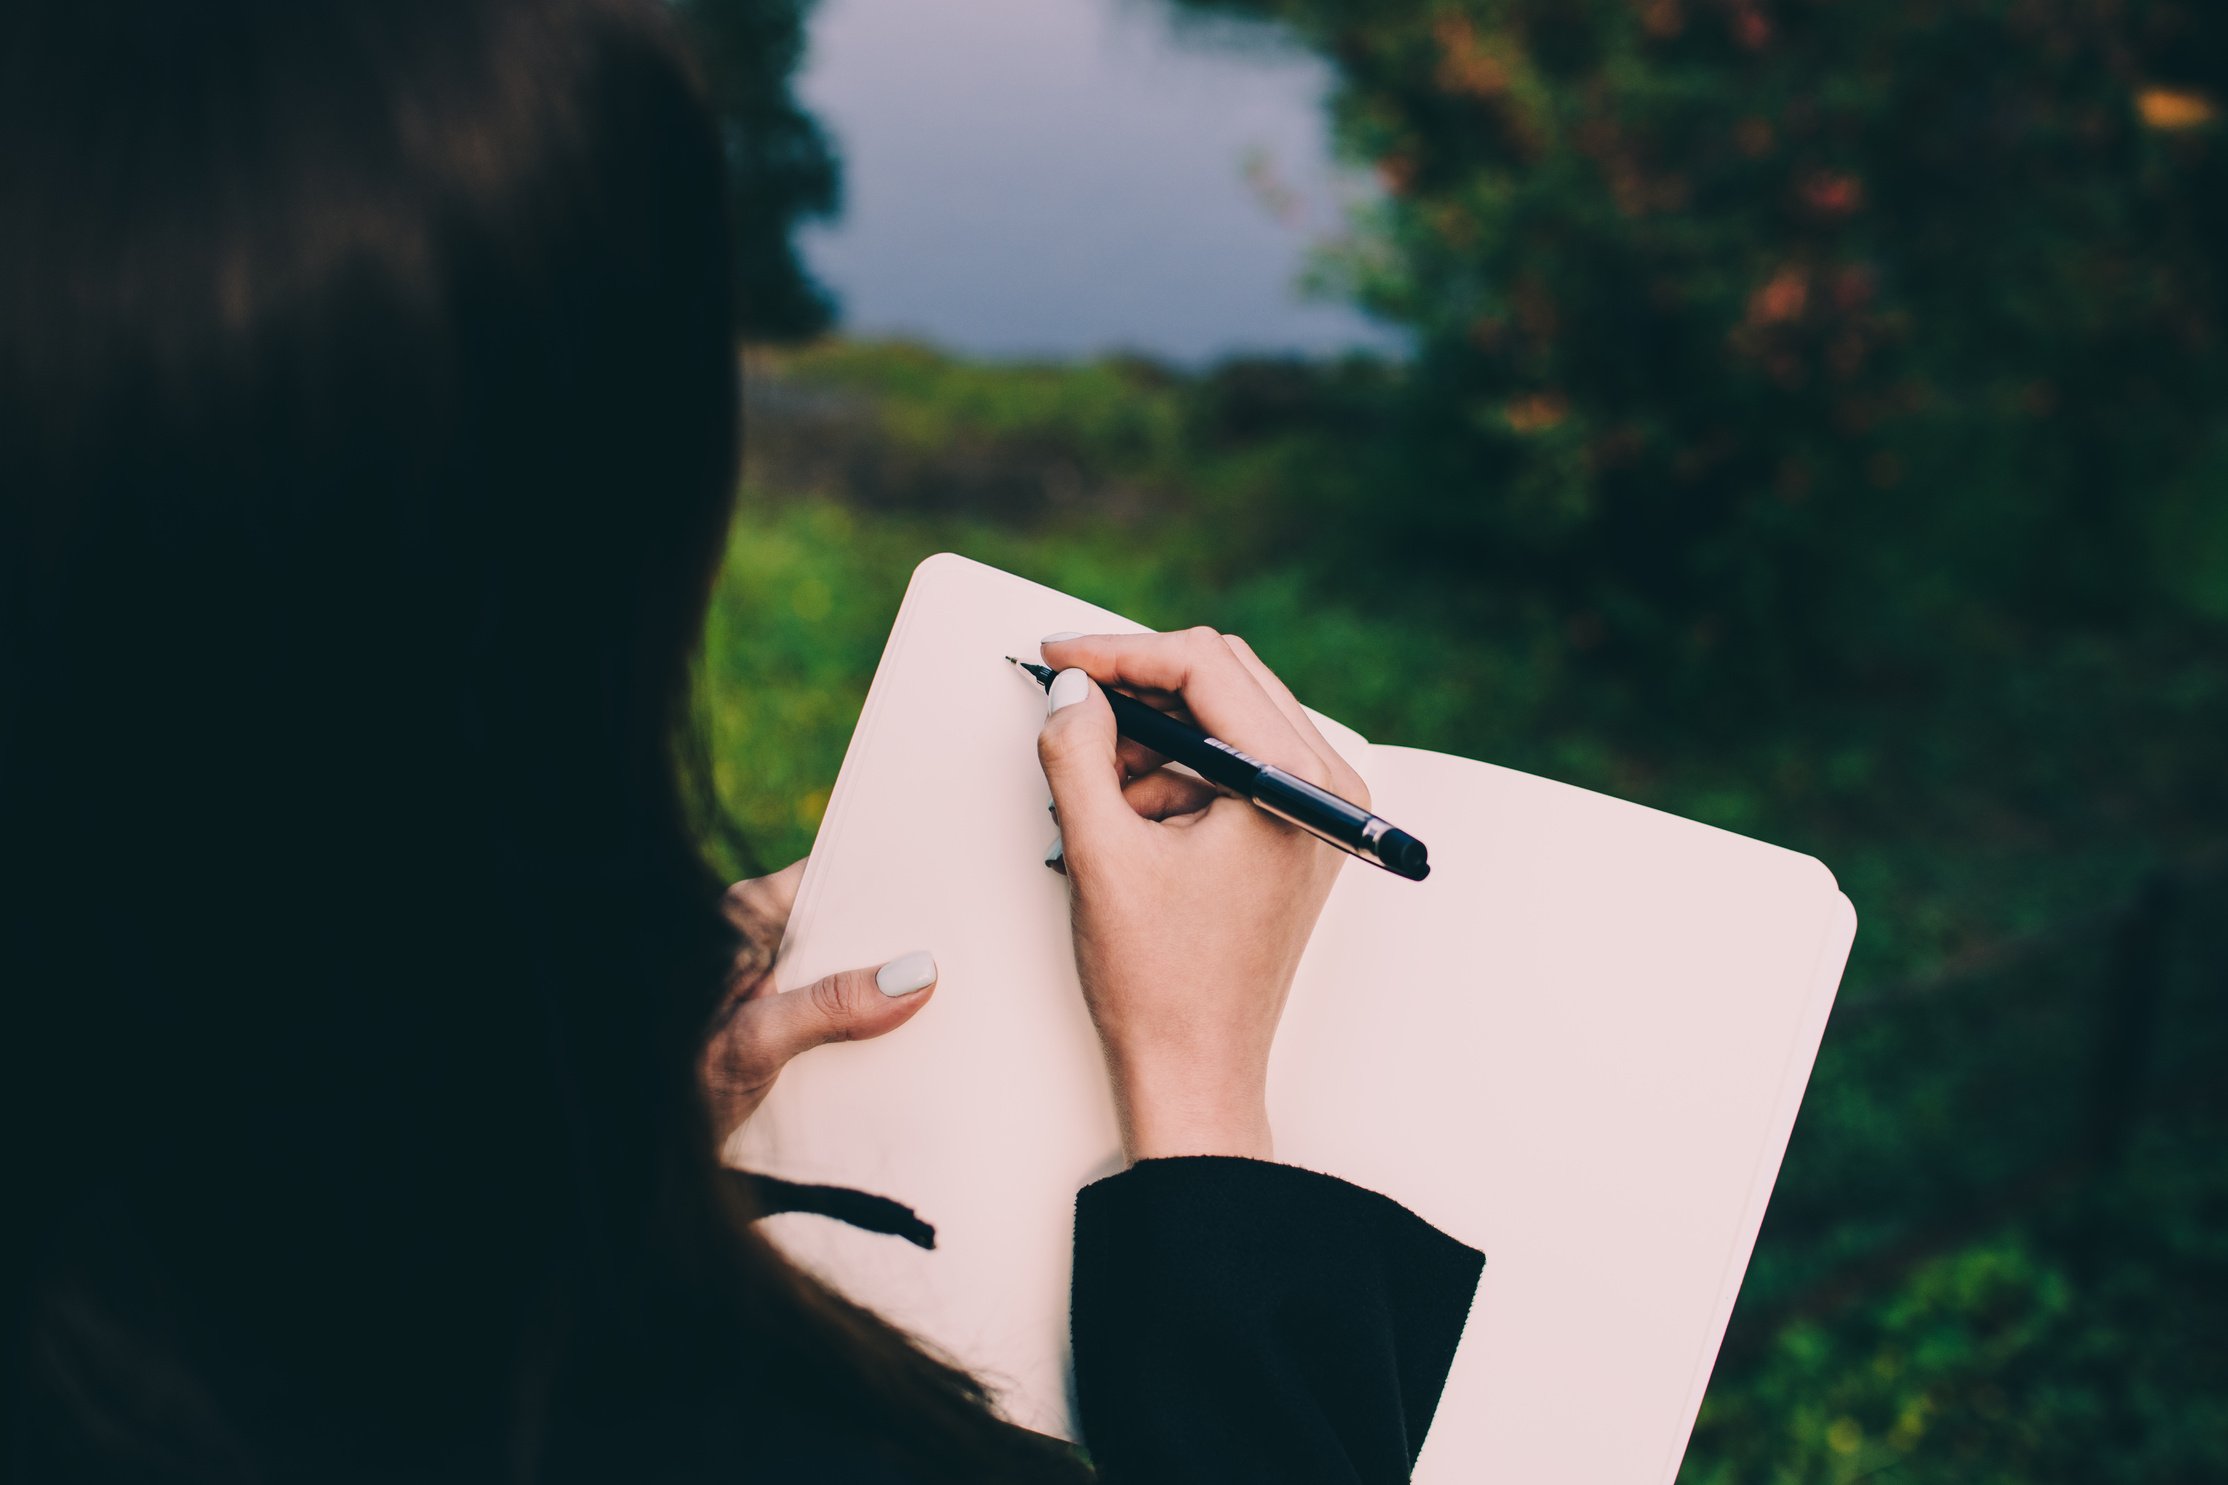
{"x": 1237, "y": 1320}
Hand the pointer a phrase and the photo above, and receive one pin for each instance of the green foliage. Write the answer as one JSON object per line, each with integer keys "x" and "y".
{"x": 2078, "y": 1345}
{"x": 1784, "y": 336}
{"x": 1837, "y": 1406}
{"x": 781, "y": 169}
{"x": 1113, "y": 413}
{"x": 2039, "y": 777}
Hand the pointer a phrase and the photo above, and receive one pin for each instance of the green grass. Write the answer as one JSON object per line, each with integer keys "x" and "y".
{"x": 1953, "y": 827}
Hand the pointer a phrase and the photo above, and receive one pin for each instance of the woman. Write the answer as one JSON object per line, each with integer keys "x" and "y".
{"x": 367, "y": 434}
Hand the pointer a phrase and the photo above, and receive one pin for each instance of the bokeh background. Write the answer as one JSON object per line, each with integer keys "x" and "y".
{"x": 1808, "y": 416}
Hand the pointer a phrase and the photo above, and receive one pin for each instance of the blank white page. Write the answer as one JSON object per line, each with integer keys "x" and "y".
{"x": 1578, "y": 1046}
{"x": 990, "y": 1109}
{"x": 1571, "y": 1047}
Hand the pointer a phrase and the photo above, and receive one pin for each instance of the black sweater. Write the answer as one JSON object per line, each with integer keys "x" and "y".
{"x": 1238, "y": 1321}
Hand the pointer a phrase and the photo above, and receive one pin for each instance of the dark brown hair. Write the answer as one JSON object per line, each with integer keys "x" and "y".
{"x": 368, "y": 427}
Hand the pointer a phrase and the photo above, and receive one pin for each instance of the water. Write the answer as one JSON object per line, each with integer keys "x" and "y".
{"x": 1065, "y": 177}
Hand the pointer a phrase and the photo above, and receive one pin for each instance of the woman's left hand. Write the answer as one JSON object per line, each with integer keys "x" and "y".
{"x": 757, "y": 1031}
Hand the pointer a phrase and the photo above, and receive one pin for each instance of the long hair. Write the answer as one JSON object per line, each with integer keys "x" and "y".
{"x": 368, "y": 431}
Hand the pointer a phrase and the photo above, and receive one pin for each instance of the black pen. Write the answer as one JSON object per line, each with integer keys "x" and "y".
{"x": 1317, "y": 811}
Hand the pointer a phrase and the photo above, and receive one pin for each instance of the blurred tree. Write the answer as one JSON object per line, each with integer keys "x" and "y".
{"x": 1813, "y": 334}
{"x": 781, "y": 168}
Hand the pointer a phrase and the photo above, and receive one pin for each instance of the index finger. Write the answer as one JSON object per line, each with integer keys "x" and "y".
{"x": 1341, "y": 767}
{"x": 767, "y": 900}
{"x": 1216, "y": 687}
{"x": 759, "y": 908}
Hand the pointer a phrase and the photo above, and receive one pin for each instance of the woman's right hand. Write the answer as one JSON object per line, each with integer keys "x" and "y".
{"x": 1191, "y": 907}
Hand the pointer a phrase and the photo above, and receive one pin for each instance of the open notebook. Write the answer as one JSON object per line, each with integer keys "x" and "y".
{"x": 1578, "y": 1046}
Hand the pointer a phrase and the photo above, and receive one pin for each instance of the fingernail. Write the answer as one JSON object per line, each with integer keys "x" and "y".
{"x": 1068, "y": 687}
{"x": 1062, "y": 637}
{"x": 906, "y": 974}
{"x": 1056, "y": 855}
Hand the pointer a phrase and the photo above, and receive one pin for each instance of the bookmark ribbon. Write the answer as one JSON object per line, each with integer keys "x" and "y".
{"x": 862, "y": 1209}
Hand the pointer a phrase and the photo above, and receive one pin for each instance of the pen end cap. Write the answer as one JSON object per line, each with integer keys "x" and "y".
{"x": 1404, "y": 854}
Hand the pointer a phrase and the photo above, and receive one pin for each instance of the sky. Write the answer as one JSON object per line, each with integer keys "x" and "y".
{"x": 1066, "y": 177}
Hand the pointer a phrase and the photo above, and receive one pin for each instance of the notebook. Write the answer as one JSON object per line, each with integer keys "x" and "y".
{"x": 1578, "y": 1046}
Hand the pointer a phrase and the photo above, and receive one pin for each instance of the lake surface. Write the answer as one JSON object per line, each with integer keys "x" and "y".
{"x": 1065, "y": 177}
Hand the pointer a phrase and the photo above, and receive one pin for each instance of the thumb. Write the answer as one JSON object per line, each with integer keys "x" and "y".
{"x": 848, "y": 1006}
{"x": 1076, "y": 749}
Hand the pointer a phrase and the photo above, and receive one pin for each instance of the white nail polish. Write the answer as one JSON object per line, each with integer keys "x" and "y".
{"x": 906, "y": 973}
{"x": 1056, "y": 854}
{"x": 1065, "y": 634}
{"x": 1068, "y": 687}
